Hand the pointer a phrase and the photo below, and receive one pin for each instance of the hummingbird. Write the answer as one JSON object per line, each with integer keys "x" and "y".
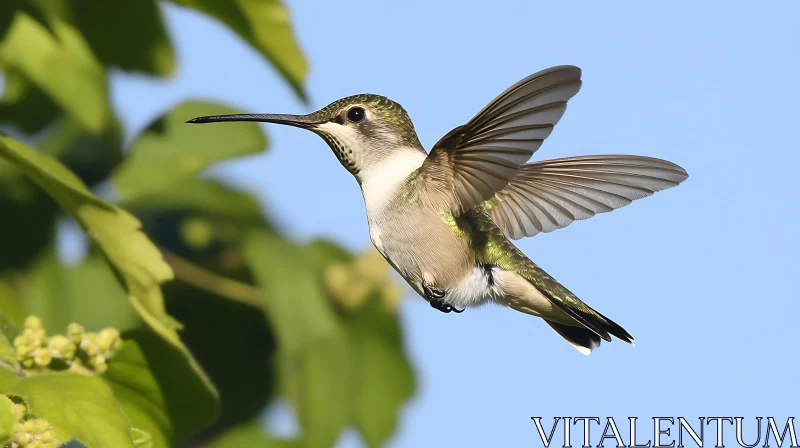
{"x": 444, "y": 219}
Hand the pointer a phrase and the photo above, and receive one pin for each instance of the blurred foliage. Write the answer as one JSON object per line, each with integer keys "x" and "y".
{"x": 182, "y": 265}
{"x": 264, "y": 24}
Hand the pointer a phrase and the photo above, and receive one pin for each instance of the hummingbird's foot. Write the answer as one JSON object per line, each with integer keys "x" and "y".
{"x": 435, "y": 296}
{"x": 444, "y": 307}
{"x": 431, "y": 292}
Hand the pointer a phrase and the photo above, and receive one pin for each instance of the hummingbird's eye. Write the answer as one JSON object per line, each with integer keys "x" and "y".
{"x": 356, "y": 114}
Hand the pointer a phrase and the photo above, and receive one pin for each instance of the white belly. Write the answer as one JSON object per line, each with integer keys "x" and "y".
{"x": 477, "y": 288}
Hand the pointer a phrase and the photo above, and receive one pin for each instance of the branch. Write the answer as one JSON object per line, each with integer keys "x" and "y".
{"x": 198, "y": 277}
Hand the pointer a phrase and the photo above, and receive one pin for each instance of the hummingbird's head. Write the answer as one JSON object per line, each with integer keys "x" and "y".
{"x": 362, "y": 130}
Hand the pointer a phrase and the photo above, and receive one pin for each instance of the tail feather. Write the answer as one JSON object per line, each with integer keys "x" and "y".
{"x": 594, "y": 321}
{"x": 575, "y": 308}
{"x": 529, "y": 289}
{"x": 584, "y": 340}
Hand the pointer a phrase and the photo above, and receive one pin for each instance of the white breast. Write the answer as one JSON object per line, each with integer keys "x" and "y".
{"x": 379, "y": 184}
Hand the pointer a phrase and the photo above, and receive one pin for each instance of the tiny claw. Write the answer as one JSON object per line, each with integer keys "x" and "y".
{"x": 444, "y": 307}
{"x": 432, "y": 292}
{"x": 440, "y": 305}
{"x": 435, "y": 295}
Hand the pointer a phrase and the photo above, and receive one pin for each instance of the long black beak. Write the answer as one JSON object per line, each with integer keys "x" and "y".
{"x": 298, "y": 121}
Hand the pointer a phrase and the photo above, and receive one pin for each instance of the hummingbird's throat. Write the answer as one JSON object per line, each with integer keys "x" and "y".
{"x": 344, "y": 155}
{"x": 348, "y": 146}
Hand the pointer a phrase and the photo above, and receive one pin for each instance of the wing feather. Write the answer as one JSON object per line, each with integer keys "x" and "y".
{"x": 485, "y": 153}
{"x": 549, "y": 195}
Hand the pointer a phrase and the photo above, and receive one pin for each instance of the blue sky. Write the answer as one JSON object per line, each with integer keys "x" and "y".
{"x": 705, "y": 275}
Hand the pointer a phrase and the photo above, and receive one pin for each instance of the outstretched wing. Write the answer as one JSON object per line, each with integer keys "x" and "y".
{"x": 551, "y": 194}
{"x": 476, "y": 160}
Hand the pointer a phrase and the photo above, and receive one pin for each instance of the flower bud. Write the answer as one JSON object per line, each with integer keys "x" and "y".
{"x": 35, "y": 433}
{"x": 90, "y": 344}
{"x": 23, "y": 438}
{"x": 107, "y": 338}
{"x": 48, "y": 437}
{"x": 116, "y": 347}
{"x": 21, "y": 340}
{"x": 61, "y": 347}
{"x": 33, "y": 322}
{"x": 22, "y": 347}
{"x": 75, "y": 332}
{"x": 28, "y": 425}
{"x": 20, "y": 410}
{"x": 41, "y": 426}
{"x": 42, "y": 357}
{"x": 35, "y": 336}
{"x": 77, "y": 366}
{"x": 48, "y": 440}
{"x": 98, "y": 363}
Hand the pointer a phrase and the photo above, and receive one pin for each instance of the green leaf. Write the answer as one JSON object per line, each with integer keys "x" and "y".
{"x": 294, "y": 300}
{"x": 8, "y": 378}
{"x": 91, "y": 157}
{"x": 8, "y": 331}
{"x": 34, "y": 224}
{"x": 9, "y": 8}
{"x": 8, "y": 328}
{"x": 328, "y": 252}
{"x": 63, "y": 66}
{"x": 159, "y": 388}
{"x": 128, "y": 34}
{"x": 25, "y": 236}
{"x": 78, "y": 406}
{"x": 137, "y": 261}
{"x": 383, "y": 378}
{"x": 265, "y": 25}
{"x": 34, "y": 8}
{"x": 87, "y": 293}
{"x": 318, "y": 382}
{"x": 233, "y": 344}
{"x": 170, "y": 151}
{"x": 252, "y": 435}
{"x": 12, "y": 307}
{"x": 26, "y": 105}
{"x": 7, "y": 419}
{"x": 315, "y": 356}
{"x": 204, "y": 196}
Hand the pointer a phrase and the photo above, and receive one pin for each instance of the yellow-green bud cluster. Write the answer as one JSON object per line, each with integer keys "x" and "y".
{"x": 350, "y": 284}
{"x": 20, "y": 410}
{"x": 78, "y": 349}
{"x": 30, "y": 433}
{"x": 96, "y": 348}
{"x": 31, "y": 345}
{"x": 35, "y": 433}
